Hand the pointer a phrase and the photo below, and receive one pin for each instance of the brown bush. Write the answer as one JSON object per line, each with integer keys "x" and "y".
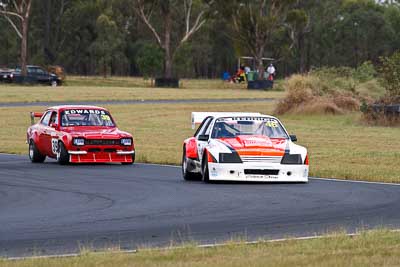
{"x": 346, "y": 102}
{"x": 306, "y": 94}
{"x": 315, "y": 105}
{"x": 320, "y": 105}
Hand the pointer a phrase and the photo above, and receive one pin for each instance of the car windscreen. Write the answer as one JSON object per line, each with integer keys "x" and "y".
{"x": 86, "y": 117}
{"x": 232, "y": 127}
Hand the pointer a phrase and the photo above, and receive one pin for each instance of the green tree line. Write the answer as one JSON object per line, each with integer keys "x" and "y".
{"x": 198, "y": 38}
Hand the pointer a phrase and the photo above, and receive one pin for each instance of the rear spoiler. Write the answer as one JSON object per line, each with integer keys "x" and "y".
{"x": 198, "y": 117}
{"x": 35, "y": 115}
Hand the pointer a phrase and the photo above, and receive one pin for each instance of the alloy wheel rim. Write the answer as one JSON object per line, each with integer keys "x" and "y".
{"x": 30, "y": 150}
{"x": 184, "y": 165}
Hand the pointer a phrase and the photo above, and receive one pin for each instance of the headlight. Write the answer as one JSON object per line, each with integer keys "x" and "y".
{"x": 79, "y": 141}
{"x": 126, "y": 141}
{"x": 291, "y": 159}
{"x": 229, "y": 158}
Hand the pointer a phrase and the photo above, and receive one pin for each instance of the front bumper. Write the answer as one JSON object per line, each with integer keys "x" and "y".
{"x": 256, "y": 172}
{"x": 120, "y": 156}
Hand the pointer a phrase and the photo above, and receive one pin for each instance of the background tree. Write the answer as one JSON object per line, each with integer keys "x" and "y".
{"x": 174, "y": 27}
{"x": 107, "y": 44}
{"x": 64, "y": 32}
{"x": 149, "y": 60}
{"x": 17, "y": 13}
{"x": 254, "y": 22}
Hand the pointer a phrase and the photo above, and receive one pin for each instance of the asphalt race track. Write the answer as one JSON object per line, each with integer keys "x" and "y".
{"x": 49, "y": 209}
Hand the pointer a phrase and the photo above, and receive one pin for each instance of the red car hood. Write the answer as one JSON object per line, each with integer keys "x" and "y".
{"x": 256, "y": 145}
{"x": 97, "y": 133}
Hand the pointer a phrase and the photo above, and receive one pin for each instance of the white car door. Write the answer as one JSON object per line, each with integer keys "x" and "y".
{"x": 203, "y": 136}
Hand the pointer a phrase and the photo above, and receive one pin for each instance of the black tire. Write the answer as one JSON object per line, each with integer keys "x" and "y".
{"x": 34, "y": 155}
{"x": 204, "y": 170}
{"x": 130, "y": 163}
{"x": 188, "y": 176}
{"x": 62, "y": 154}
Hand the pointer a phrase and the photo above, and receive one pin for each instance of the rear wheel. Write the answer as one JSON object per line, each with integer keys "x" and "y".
{"x": 188, "y": 176}
{"x": 62, "y": 154}
{"x": 34, "y": 155}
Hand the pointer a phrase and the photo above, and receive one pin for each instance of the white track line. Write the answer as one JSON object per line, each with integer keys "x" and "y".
{"x": 352, "y": 181}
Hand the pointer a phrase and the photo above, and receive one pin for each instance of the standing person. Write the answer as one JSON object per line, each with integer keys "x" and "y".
{"x": 246, "y": 71}
{"x": 271, "y": 72}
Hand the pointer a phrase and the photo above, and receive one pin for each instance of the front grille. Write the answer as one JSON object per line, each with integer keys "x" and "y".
{"x": 265, "y": 159}
{"x": 261, "y": 172}
{"x": 104, "y": 142}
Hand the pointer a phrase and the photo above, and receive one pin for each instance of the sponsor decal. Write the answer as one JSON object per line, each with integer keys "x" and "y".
{"x": 105, "y": 118}
{"x": 84, "y": 111}
{"x": 272, "y": 124}
{"x": 253, "y": 176}
{"x": 256, "y": 141}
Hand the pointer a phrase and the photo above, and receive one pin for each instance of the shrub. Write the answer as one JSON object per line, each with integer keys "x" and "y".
{"x": 390, "y": 75}
{"x": 377, "y": 112}
{"x": 364, "y": 73}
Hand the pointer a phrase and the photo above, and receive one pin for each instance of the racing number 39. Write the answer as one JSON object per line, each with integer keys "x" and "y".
{"x": 54, "y": 145}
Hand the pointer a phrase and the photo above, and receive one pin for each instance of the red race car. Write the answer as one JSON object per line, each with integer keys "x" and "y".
{"x": 78, "y": 134}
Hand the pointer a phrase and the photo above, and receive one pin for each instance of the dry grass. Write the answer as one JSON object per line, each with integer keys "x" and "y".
{"x": 374, "y": 248}
{"x": 99, "y": 89}
{"x": 339, "y": 146}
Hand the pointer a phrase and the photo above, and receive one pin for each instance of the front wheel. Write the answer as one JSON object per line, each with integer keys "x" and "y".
{"x": 187, "y": 175}
{"x": 205, "y": 172}
{"x": 62, "y": 154}
{"x": 34, "y": 155}
{"x": 130, "y": 163}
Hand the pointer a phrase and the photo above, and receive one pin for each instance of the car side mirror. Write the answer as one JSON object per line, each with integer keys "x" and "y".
{"x": 293, "y": 138}
{"x": 53, "y": 125}
{"x": 203, "y": 137}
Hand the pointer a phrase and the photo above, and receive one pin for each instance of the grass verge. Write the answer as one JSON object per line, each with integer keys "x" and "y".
{"x": 372, "y": 248}
{"x": 99, "y": 89}
{"x": 339, "y": 146}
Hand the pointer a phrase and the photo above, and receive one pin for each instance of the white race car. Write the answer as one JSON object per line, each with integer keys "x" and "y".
{"x": 242, "y": 147}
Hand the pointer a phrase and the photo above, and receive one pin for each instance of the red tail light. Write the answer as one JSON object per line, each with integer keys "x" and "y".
{"x": 306, "y": 161}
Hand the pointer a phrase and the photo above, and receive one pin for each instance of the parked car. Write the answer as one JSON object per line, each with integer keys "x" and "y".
{"x": 236, "y": 146}
{"x": 6, "y": 75}
{"x": 36, "y": 74}
{"x": 78, "y": 134}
